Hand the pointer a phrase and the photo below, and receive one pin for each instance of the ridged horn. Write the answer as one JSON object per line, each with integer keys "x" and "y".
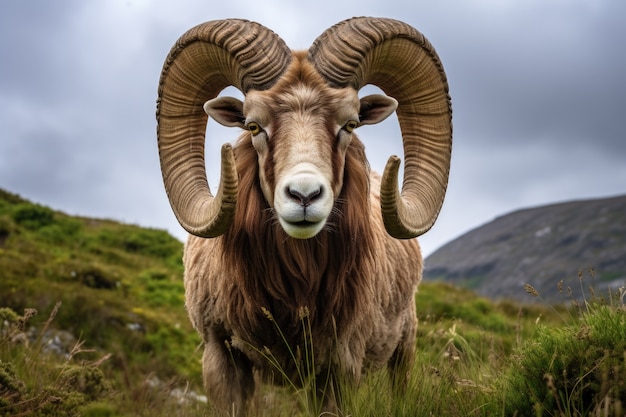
{"x": 397, "y": 58}
{"x": 204, "y": 61}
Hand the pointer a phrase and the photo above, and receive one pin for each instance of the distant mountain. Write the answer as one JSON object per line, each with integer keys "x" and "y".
{"x": 540, "y": 246}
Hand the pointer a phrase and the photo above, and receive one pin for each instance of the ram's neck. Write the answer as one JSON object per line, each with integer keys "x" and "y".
{"x": 324, "y": 274}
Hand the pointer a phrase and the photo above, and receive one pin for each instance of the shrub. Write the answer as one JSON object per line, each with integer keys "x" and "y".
{"x": 88, "y": 380}
{"x": 6, "y": 228}
{"x": 579, "y": 369}
{"x": 151, "y": 242}
{"x": 159, "y": 289}
{"x": 134, "y": 240}
{"x": 35, "y": 383}
{"x": 11, "y": 388}
{"x": 62, "y": 231}
{"x": 32, "y": 216}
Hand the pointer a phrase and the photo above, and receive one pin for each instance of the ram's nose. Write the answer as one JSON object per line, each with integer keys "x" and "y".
{"x": 304, "y": 197}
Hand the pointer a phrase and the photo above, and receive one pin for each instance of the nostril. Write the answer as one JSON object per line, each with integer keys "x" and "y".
{"x": 304, "y": 199}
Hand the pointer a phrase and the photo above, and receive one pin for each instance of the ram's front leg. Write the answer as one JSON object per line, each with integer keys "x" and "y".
{"x": 332, "y": 387}
{"x": 228, "y": 377}
{"x": 401, "y": 362}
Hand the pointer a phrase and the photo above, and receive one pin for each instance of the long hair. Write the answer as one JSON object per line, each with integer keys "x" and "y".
{"x": 322, "y": 276}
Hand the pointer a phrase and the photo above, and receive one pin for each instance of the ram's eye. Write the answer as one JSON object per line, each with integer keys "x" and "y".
{"x": 351, "y": 125}
{"x": 253, "y": 127}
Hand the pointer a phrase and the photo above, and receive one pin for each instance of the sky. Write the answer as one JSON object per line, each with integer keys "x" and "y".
{"x": 538, "y": 92}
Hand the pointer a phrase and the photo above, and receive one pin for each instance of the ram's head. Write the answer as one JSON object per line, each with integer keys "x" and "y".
{"x": 300, "y": 110}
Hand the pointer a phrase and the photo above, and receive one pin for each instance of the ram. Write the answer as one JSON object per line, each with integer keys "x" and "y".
{"x": 302, "y": 249}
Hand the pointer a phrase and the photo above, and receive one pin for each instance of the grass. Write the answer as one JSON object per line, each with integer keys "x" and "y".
{"x": 111, "y": 338}
{"x": 578, "y": 369}
{"x": 121, "y": 294}
{"x": 33, "y": 385}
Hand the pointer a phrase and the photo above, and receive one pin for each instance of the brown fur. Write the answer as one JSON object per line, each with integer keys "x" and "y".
{"x": 352, "y": 282}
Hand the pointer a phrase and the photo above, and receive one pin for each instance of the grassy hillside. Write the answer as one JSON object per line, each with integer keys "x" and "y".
{"x": 92, "y": 323}
{"x": 120, "y": 293}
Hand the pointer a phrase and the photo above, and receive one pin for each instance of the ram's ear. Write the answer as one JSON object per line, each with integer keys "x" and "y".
{"x": 376, "y": 108}
{"x": 227, "y": 111}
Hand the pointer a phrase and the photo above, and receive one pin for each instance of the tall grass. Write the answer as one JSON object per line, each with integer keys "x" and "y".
{"x": 122, "y": 294}
{"x": 543, "y": 362}
{"x": 540, "y": 361}
{"x": 578, "y": 369}
{"x": 33, "y": 385}
{"x": 452, "y": 371}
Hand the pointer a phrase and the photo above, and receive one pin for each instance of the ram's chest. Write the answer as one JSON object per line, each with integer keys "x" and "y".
{"x": 289, "y": 345}
{"x": 287, "y": 311}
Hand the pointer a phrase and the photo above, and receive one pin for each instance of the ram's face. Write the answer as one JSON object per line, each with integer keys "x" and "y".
{"x": 301, "y": 136}
{"x": 301, "y": 132}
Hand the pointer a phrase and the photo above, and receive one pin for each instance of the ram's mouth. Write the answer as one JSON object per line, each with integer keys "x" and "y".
{"x": 303, "y": 223}
{"x": 302, "y": 229}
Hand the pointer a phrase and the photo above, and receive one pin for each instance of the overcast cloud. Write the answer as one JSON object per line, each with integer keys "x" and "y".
{"x": 538, "y": 92}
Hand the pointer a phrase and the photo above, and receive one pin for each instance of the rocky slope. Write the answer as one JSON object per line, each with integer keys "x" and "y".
{"x": 540, "y": 246}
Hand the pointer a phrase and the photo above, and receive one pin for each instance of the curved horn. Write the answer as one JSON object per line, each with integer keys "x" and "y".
{"x": 400, "y": 60}
{"x": 204, "y": 61}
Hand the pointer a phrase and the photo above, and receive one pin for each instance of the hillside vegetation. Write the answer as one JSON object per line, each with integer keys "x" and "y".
{"x": 92, "y": 323}
{"x": 115, "y": 292}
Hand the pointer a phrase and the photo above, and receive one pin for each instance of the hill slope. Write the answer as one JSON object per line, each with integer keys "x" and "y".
{"x": 539, "y": 246}
{"x": 114, "y": 291}
{"x": 112, "y": 337}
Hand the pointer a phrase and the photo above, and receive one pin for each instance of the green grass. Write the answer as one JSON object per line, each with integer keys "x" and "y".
{"x": 120, "y": 292}
{"x": 117, "y": 290}
{"x": 575, "y": 370}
